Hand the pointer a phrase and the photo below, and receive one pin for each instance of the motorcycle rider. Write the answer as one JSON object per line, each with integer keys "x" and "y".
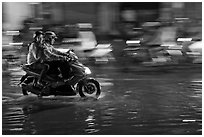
{"x": 51, "y": 54}
{"x": 53, "y": 57}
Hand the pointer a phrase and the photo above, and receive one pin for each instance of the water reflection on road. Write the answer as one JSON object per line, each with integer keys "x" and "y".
{"x": 131, "y": 103}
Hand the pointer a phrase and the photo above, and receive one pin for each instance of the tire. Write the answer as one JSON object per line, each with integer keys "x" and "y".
{"x": 89, "y": 88}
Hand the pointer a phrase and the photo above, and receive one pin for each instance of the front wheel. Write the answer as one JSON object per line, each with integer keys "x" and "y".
{"x": 89, "y": 88}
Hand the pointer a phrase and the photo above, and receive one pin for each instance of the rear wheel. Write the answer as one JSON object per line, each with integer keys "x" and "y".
{"x": 89, "y": 88}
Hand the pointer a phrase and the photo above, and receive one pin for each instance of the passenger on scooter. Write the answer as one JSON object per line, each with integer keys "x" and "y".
{"x": 35, "y": 53}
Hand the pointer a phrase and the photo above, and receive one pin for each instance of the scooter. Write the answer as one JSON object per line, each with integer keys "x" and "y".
{"x": 54, "y": 84}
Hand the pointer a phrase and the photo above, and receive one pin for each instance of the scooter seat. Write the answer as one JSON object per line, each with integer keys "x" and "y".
{"x": 28, "y": 68}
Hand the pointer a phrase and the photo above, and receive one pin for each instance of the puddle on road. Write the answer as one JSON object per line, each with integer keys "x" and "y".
{"x": 126, "y": 105}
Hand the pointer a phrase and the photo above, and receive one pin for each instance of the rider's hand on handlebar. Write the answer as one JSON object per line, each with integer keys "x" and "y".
{"x": 66, "y": 58}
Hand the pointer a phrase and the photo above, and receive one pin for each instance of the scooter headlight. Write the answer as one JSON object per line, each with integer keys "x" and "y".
{"x": 87, "y": 70}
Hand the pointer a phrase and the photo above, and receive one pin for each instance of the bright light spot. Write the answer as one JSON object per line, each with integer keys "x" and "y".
{"x": 184, "y": 39}
{"x": 20, "y": 43}
{"x": 87, "y": 70}
{"x": 132, "y": 41}
{"x": 189, "y": 120}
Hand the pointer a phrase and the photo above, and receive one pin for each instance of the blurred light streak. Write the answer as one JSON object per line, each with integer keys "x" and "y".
{"x": 168, "y": 45}
{"x": 84, "y": 25}
{"x": 132, "y": 41}
{"x": 103, "y": 46}
{"x": 189, "y": 120}
{"x": 181, "y": 18}
{"x": 184, "y": 39}
{"x": 12, "y": 33}
{"x": 36, "y": 28}
{"x": 16, "y": 44}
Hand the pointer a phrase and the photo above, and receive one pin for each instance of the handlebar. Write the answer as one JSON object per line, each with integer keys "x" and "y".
{"x": 71, "y": 56}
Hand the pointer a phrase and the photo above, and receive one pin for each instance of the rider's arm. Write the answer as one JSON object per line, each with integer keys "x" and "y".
{"x": 52, "y": 56}
{"x": 58, "y": 52}
{"x": 33, "y": 50}
{"x": 55, "y": 51}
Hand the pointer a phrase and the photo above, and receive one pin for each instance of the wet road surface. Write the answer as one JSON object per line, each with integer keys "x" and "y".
{"x": 131, "y": 103}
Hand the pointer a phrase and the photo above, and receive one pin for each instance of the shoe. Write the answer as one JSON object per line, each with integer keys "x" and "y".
{"x": 72, "y": 87}
{"x": 39, "y": 84}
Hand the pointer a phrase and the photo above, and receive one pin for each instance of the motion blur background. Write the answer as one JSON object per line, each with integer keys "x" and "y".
{"x": 156, "y": 27}
{"x": 136, "y": 31}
